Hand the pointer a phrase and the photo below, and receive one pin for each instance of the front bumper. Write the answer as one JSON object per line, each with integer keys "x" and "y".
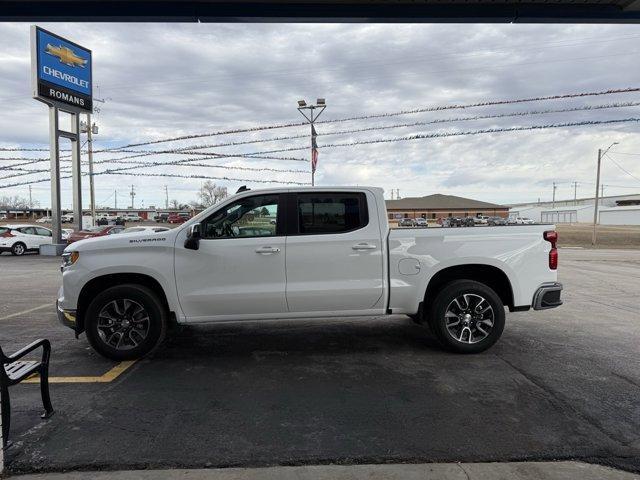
{"x": 547, "y": 296}
{"x": 67, "y": 318}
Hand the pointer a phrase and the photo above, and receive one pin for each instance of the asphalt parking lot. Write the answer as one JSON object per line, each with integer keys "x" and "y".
{"x": 561, "y": 384}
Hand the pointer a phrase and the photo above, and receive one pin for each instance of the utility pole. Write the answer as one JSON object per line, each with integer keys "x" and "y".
{"x": 90, "y": 129}
{"x": 595, "y": 207}
{"x": 30, "y": 202}
{"x": 553, "y": 202}
{"x": 166, "y": 197}
{"x": 115, "y": 194}
{"x": 602, "y": 192}
{"x": 397, "y": 194}
{"x": 575, "y": 193}
{"x": 320, "y": 105}
{"x": 133, "y": 194}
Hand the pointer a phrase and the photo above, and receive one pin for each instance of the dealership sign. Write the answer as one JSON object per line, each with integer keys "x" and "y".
{"x": 61, "y": 70}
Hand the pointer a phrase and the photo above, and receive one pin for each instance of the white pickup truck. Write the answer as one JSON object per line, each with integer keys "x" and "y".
{"x": 303, "y": 253}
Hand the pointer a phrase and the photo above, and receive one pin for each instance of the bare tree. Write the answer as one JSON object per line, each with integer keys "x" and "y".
{"x": 7, "y": 202}
{"x": 174, "y": 204}
{"x": 210, "y": 194}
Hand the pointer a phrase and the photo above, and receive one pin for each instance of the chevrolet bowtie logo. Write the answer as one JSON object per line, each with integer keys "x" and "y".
{"x": 66, "y": 56}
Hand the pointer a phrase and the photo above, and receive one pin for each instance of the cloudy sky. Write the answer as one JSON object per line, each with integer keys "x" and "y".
{"x": 161, "y": 81}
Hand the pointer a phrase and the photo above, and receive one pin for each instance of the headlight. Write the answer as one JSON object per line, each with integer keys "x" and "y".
{"x": 69, "y": 258}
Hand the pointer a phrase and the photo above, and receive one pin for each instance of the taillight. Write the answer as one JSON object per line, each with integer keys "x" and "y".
{"x": 551, "y": 236}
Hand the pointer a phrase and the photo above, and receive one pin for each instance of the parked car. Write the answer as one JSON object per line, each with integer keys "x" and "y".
{"x": 67, "y": 218}
{"x": 406, "y": 222}
{"x": 523, "y": 221}
{"x": 131, "y": 217}
{"x": 20, "y": 239}
{"x": 3, "y": 216}
{"x": 66, "y": 232}
{"x": 421, "y": 222}
{"x": 461, "y": 222}
{"x": 44, "y": 220}
{"x": 481, "y": 220}
{"x": 162, "y": 217}
{"x": 92, "y": 232}
{"x": 177, "y": 217}
{"x": 332, "y": 255}
{"x": 496, "y": 221}
{"x": 145, "y": 229}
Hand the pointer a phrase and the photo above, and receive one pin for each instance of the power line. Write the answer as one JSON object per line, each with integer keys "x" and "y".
{"x": 622, "y": 168}
{"x": 390, "y": 140}
{"x": 204, "y": 177}
{"x": 463, "y": 133}
{"x": 364, "y": 117}
{"x": 485, "y": 104}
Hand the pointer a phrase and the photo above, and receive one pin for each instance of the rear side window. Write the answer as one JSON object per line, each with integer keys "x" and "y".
{"x": 322, "y": 213}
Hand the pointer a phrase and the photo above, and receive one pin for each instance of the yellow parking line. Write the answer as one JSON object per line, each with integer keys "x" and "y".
{"x": 50, "y": 305}
{"x": 110, "y": 376}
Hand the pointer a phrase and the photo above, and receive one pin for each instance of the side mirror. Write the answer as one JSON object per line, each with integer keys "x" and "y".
{"x": 193, "y": 237}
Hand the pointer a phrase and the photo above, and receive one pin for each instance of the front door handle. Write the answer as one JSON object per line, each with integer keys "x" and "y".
{"x": 267, "y": 250}
{"x": 364, "y": 246}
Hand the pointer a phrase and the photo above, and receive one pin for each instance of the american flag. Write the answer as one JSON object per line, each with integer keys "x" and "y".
{"x": 314, "y": 149}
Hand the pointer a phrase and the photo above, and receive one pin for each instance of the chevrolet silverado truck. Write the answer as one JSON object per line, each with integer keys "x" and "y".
{"x": 303, "y": 253}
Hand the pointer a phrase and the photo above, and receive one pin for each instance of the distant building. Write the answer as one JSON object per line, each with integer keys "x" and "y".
{"x": 620, "y": 210}
{"x": 442, "y": 206}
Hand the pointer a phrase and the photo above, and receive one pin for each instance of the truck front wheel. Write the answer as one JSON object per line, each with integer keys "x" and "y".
{"x": 125, "y": 322}
{"x": 467, "y": 316}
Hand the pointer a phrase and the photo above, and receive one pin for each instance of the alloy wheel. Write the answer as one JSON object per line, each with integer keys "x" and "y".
{"x": 469, "y": 318}
{"x": 123, "y": 324}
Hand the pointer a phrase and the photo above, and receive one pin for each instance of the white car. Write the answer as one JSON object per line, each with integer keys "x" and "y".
{"x": 66, "y": 232}
{"x": 67, "y": 218}
{"x": 145, "y": 229}
{"x": 44, "y": 220}
{"x": 19, "y": 239}
{"x": 131, "y": 217}
{"x": 481, "y": 220}
{"x": 330, "y": 254}
{"x": 523, "y": 221}
{"x": 421, "y": 222}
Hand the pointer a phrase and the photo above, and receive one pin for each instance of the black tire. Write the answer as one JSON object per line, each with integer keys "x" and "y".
{"x": 103, "y": 331}
{"x": 472, "y": 323}
{"x": 18, "y": 249}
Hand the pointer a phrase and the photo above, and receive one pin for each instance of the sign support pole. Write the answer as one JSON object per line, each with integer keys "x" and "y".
{"x": 55, "y": 175}
{"x": 76, "y": 170}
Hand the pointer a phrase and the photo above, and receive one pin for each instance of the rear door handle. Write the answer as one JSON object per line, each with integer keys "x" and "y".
{"x": 364, "y": 246}
{"x": 267, "y": 250}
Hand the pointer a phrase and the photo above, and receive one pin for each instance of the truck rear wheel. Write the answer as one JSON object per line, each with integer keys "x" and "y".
{"x": 467, "y": 316}
{"x": 125, "y": 322}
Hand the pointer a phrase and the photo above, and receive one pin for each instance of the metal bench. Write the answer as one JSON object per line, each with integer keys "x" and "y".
{"x": 14, "y": 370}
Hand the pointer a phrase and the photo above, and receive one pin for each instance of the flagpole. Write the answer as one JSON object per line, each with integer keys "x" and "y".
{"x": 313, "y": 170}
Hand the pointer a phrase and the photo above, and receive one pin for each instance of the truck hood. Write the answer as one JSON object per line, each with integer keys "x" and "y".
{"x": 122, "y": 240}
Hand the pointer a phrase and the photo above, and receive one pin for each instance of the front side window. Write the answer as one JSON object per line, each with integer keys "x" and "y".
{"x": 331, "y": 213}
{"x": 248, "y": 217}
{"x": 43, "y": 232}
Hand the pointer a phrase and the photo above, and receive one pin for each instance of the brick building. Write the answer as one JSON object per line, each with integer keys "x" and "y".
{"x": 437, "y": 206}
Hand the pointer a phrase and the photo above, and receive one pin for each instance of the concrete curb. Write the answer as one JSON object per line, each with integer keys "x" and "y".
{"x": 427, "y": 471}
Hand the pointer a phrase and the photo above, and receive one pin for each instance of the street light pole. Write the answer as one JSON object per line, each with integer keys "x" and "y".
{"x": 595, "y": 207}
{"x": 320, "y": 106}
{"x": 92, "y": 192}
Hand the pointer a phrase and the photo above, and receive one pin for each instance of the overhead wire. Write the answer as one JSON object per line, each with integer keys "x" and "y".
{"x": 622, "y": 168}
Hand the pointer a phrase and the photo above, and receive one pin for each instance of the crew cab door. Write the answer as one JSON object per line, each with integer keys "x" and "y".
{"x": 238, "y": 269}
{"x": 334, "y": 253}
